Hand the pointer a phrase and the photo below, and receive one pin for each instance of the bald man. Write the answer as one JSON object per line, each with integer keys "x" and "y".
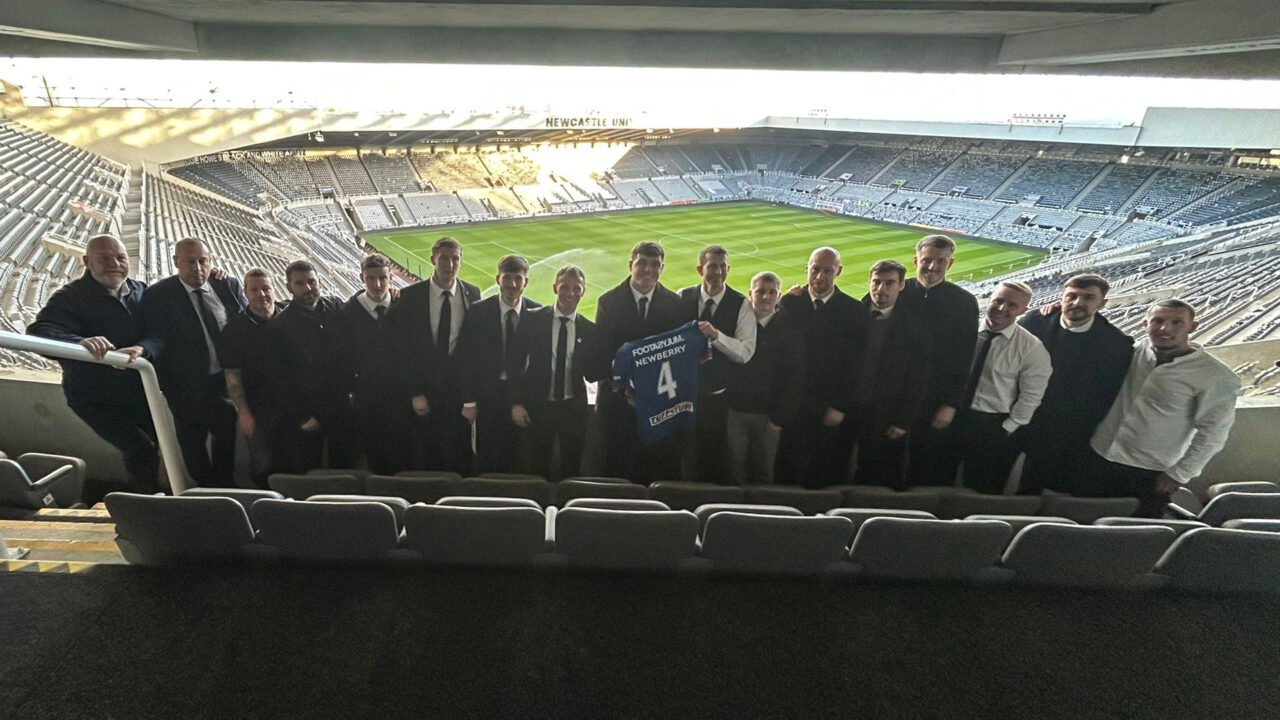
{"x": 814, "y": 449}
{"x": 102, "y": 312}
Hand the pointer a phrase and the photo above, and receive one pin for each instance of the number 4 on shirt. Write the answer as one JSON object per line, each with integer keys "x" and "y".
{"x": 666, "y": 383}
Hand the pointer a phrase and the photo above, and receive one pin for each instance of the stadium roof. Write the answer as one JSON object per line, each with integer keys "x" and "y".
{"x": 1191, "y": 38}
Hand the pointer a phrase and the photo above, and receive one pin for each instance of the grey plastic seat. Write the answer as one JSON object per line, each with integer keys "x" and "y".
{"x": 322, "y": 531}
{"x": 856, "y": 496}
{"x": 1177, "y": 526}
{"x": 245, "y": 496}
{"x": 397, "y": 504}
{"x": 1259, "y": 486}
{"x": 809, "y": 502}
{"x": 1216, "y": 559}
{"x": 1017, "y": 522}
{"x": 1239, "y": 506}
{"x": 1085, "y": 555}
{"x": 532, "y": 488}
{"x": 37, "y": 480}
{"x": 163, "y": 530}
{"x": 706, "y": 511}
{"x": 301, "y": 487}
{"x": 953, "y": 506}
{"x": 414, "y": 489}
{"x": 689, "y": 496}
{"x": 600, "y": 479}
{"x": 567, "y": 490}
{"x": 778, "y": 545}
{"x": 447, "y": 475}
{"x": 511, "y": 476}
{"x": 1253, "y": 525}
{"x": 1086, "y": 510}
{"x": 909, "y": 549}
{"x": 473, "y": 501}
{"x": 616, "y": 504}
{"x": 860, "y": 515}
{"x": 357, "y": 473}
{"x": 453, "y": 534}
{"x": 622, "y": 539}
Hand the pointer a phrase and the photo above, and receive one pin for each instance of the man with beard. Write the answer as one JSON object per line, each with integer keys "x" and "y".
{"x": 252, "y": 372}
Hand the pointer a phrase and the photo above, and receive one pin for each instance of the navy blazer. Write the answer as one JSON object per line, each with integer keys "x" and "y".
{"x": 480, "y": 346}
{"x": 833, "y": 342}
{"x": 84, "y": 308}
{"x": 534, "y": 338}
{"x": 422, "y": 371}
{"x": 619, "y": 321}
{"x": 175, "y": 334}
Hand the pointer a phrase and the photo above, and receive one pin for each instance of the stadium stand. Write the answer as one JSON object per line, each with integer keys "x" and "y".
{"x": 349, "y": 173}
{"x": 451, "y": 171}
{"x": 1174, "y": 189}
{"x": 391, "y": 174}
{"x": 1053, "y": 183}
{"x": 1115, "y": 188}
{"x": 863, "y": 164}
{"x": 977, "y": 175}
{"x": 916, "y": 169}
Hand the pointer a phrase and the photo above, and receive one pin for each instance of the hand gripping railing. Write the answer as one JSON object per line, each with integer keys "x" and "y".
{"x": 170, "y": 453}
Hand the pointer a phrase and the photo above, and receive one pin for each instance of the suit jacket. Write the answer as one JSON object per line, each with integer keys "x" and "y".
{"x": 371, "y": 350}
{"x": 619, "y": 320}
{"x": 84, "y": 308}
{"x": 480, "y": 346}
{"x": 175, "y": 333}
{"x": 951, "y": 312}
{"x": 833, "y": 345}
{"x": 316, "y": 364}
{"x": 901, "y": 374}
{"x": 1088, "y": 370}
{"x": 422, "y": 370}
{"x": 535, "y": 349}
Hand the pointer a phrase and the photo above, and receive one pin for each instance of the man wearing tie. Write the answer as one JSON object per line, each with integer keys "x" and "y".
{"x": 1007, "y": 380}
{"x": 726, "y": 319}
{"x": 556, "y": 348}
{"x": 635, "y": 309}
{"x": 487, "y": 347}
{"x": 426, "y": 324}
{"x": 381, "y": 418}
{"x": 185, "y": 314}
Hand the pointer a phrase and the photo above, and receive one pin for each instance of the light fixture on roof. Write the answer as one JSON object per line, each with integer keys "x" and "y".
{"x": 317, "y": 136}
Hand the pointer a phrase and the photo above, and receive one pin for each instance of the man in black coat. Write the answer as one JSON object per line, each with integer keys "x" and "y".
{"x": 102, "y": 312}
{"x": 382, "y": 417}
{"x": 253, "y": 374}
{"x": 427, "y": 342}
{"x": 557, "y": 350}
{"x": 490, "y": 362}
{"x": 951, "y": 312}
{"x": 638, "y": 307}
{"x": 815, "y": 449}
{"x": 893, "y": 381}
{"x": 185, "y": 315}
{"x": 1090, "y": 359}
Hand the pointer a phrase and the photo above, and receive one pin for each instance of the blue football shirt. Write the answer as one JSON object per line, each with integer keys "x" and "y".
{"x": 662, "y": 373}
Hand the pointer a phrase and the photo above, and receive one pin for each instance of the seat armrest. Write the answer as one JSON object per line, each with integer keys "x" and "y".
{"x": 46, "y": 483}
{"x": 1179, "y": 512}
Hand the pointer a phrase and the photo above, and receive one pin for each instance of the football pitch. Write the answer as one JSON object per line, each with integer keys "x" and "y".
{"x": 759, "y": 237}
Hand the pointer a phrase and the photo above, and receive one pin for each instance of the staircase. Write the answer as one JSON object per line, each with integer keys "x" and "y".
{"x": 1088, "y": 188}
{"x": 131, "y": 224}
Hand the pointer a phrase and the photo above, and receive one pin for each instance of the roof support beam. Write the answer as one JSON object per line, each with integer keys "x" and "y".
{"x": 92, "y": 22}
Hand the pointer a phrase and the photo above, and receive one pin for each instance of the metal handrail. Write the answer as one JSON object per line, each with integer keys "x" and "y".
{"x": 166, "y": 437}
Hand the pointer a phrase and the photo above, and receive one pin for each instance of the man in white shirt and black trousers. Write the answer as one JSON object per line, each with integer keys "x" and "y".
{"x": 1171, "y": 417}
{"x": 1007, "y": 380}
{"x": 382, "y": 418}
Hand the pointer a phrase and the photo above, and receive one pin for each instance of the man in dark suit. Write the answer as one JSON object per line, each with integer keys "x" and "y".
{"x": 101, "y": 311}
{"x": 426, "y": 324}
{"x": 893, "y": 380}
{"x": 815, "y": 449}
{"x": 951, "y": 312}
{"x": 490, "y": 361}
{"x": 252, "y": 370}
{"x": 1090, "y": 359}
{"x": 382, "y": 418}
{"x": 725, "y": 318}
{"x": 311, "y": 341}
{"x": 635, "y": 309}
{"x": 185, "y": 314}
{"x": 557, "y": 350}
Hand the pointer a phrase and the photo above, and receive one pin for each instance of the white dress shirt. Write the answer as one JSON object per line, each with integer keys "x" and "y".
{"x": 214, "y": 305}
{"x": 371, "y": 307}
{"x": 572, "y": 330}
{"x": 636, "y": 295}
{"x": 814, "y": 298}
{"x": 1062, "y": 320}
{"x": 457, "y": 311}
{"x": 1014, "y": 376}
{"x": 1173, "y": 417}
{"x": 740, "y": 346}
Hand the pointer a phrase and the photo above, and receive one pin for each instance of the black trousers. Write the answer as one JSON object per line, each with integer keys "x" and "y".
{"x": 128, "y": 427}
{"x": 931, "y": 453}
{"x": 1099, "y": 477}
{"x": 563, "y": 422}
{"x": 626, "y": 456}
{"x": 812, "y": 454}
{"x": 1055, "y": 465}
{"x": 881, "y": 461}
{"x": 987, "y": 450}
{"x": 205, "y": 421}
{"x": 383, "y": 421}
{"x": 298, "y": 450}
{"x": 441, "y": 440}
{"x": 707, "y": 457}
{"x": 501, "y": 445}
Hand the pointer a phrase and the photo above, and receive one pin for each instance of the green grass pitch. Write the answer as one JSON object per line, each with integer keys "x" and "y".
{"x": 759, "y": 237}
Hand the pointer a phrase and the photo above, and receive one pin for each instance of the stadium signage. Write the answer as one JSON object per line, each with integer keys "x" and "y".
{"x": 587, "y": 122}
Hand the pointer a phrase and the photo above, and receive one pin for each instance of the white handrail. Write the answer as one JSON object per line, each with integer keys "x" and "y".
{"x": 167, "y": 438}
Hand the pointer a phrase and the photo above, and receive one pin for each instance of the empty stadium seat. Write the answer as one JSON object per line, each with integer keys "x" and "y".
{"x": 858, "y": 496}
{"x": 860, "y": 515}
{"x": 1216, "y": 559}
{"x": 1247, "y": 487}
{"x": 511, "y": 476}
{"x": 599, "y": 479}
{"x": 688, "y": 496}
{"x": 774, "y": 544}
{"x": 321, "y": 531}
{"x": 567, "y": 490}
{"x": 1177, "y": 526}
{"x": 429, "y": 474}
{"x": 487, "y": 501}
{"x": 1254, "y": 525}
{"x": 1085, "y": 555}
{"x": 245, "y": 496}
{"x": 36, "y": 480}
{"x": 357, "y": 473}
{"x": 1017, "y": 522}
{"x": 953, "y": 506}
{"x": 301, "y": 487}
{"x": 910, "y": 549}
{"x": 809, "y": 502}
{"x": 1236, "y": 505}
{"x": 1085, "y": 510}
{"x": 704, "y": 512}
{"x": 160, "y": 530}
{"x": 616, "y": 504}
{"x": 453, "y": 534}
{"x": 397, "y": 504}
{"x": 620, "y": 539}
{"x": 532, "y": 488}
{"x": 414, "y": 489}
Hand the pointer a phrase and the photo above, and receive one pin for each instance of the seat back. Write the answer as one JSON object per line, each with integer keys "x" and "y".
{"x": 905, "y": 548}
{"x": 447, "y": 475}
{"x": 600, "y": 479}
{"x": 1216, "y": 559}
{"x": 355, "y": 531}
{"x": 704, "y": 512}
{"x": 455, "y": 534}
{"x": 397, "y": 504}
{"x": 1085, "y": 555}
{"x": 67, "y": 488}
{"x": 301, "y": 487}
{"x": 885, "y": 498}
{"x": 15, "y": 488}
{"x": 1017, "y": 522}
{"x": 1241, "y": 506}
{"x": 688, "y": 496}
{"x": 615, "y": 504}
{"x": 1085, "y": 510}
{"x": 954, "y": 506}
{"x": 532, "y": 488}
{"x": 1254, "y": 525}
{"x": 860, "y": 515}
{"x": 643, "y": 540}
{"x": 159, "y": 530}
{"x": 567, "y": 490}
{"x": 1177, "y": 526}
{"x": 774, "y": 544}
{"x": 809, "y": 502}
{"x": 414, "y": 489}
{"x": 245, "y": 496}
{"x": 358, "y": 473}
{"x": 511, "y": 476}
{"x": 1260, "y": 486}
{"x": 469, "y": 501}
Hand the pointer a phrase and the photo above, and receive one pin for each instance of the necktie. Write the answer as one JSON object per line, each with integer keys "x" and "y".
{"x": 708, "y": 309}
{"x": 876, "y": 315}
{"x": 643, "y": 307}
{"x": 446, "y": 320}
{"x": 210, "y": 326}
{"x": 380, "y": 311}
{"x": 975, "y": 373}
{"x": 509, "y": 345}
{"x": 562, "y": 349}
{"x": 817, "y": 305}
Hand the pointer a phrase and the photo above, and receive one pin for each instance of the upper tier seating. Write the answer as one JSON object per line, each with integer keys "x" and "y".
{"x": 977, "y": 175}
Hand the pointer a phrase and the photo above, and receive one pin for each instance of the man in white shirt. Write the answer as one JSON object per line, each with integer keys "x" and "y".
{"x": 382, "y": 418}
{"x": 1007, "y": 380}
{"x": 1171, "y": 417}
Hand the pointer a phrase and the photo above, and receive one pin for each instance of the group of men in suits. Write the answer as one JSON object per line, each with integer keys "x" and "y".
{"x": 435, "y": 377}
